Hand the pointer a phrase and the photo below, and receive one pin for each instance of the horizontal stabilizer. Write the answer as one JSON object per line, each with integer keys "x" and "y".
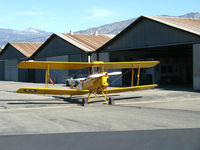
{"x": 52, "y": 91}
{"x": 127, "y": 89}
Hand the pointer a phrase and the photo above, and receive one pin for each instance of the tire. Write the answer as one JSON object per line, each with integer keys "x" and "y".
{"x": 84, "y": 102}
{"x": 67, "y": 83}
{"x": 110, "y": 101}
{"x": 76, "y": 83}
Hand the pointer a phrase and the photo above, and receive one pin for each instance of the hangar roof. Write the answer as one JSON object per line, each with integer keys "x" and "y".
{"x": 86, "y": 42}
{"x": 187, "y": 24}
{"x": 25, "y": 48}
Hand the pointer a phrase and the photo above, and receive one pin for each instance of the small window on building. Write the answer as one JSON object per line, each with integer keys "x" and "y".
{"x": 163, "y": 69}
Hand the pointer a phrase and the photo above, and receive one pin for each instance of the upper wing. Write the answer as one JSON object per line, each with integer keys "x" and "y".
{"x": 127, "y": 89}
{"x": 135, "y": 64}
{"x": 52, "y": 91}
{"x": 52, "y": 65}
{"x": 81, "y": 65}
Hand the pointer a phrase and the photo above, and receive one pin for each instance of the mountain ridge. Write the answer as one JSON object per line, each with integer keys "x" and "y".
{"x": 111, "y": 28}
{"x": 27, "y": 35}
{"x": 36, "y": 35}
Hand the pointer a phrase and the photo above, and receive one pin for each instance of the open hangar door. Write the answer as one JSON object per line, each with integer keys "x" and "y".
{"x": 175, "y": 68}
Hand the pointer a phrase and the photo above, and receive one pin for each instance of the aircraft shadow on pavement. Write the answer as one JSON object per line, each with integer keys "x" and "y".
{"x": 34, "y": 103}
{"x": 65, "y": 100}
{"x": 73, "y": 100}
{"x": 27, "y": 100}
{"x": 60, "y": 100}
{"x": 128, "y": 98}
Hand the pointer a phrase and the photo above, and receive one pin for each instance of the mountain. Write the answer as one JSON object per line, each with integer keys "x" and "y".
{"x": 27, "y": 35}
{"x": 193, "y": 15}
{"x": 115, "y": 28}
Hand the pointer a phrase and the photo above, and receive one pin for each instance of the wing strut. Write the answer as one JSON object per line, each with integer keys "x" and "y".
{"x": 138, "y": 75}
{"x": 132, "y": 76}
{"x": 47, "y": 77}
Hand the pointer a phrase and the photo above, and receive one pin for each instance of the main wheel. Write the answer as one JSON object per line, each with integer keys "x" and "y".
{"x": 84, "y": 102}
{"x": 110, "y": 101}
{"x": 76, "y": 83}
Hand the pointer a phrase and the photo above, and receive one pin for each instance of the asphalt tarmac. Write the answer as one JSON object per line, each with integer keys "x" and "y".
{"x": 163, "y": 108}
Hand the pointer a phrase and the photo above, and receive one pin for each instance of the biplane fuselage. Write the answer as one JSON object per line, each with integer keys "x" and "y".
{"x": 94, "y": 84}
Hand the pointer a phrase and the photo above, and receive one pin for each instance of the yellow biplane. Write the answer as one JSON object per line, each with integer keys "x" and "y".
{"x": 95, "y": 84}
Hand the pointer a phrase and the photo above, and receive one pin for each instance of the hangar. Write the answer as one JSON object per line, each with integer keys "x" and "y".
{"x": 173, "y": 41}
{"x": 68, "y": 47}
{"x": 13, "y": 53}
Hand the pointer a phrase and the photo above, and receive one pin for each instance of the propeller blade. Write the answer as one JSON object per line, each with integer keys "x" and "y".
{"x": 114, "y": 73}
{"x": 104, "y": 74}
{"x": 96, "y": 75}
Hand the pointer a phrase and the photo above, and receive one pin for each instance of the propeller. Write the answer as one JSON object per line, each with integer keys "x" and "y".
{"x": 104, "y": 74}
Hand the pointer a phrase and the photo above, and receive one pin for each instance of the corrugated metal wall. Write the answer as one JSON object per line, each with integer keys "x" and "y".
{"x": 11, "y": 57}
{"x": 11, "y": 70}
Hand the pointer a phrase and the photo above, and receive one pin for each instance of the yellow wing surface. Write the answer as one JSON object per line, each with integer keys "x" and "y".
{"x": 81, "y": 65}
{"x": 52, "y": 91}
{"x": 127, "y": 89}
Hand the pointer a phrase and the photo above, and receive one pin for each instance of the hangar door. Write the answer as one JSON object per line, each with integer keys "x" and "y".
{"x": 11, "y": 70}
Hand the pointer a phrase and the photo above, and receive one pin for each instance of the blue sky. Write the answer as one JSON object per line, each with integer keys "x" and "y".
{"x": 65, "y": 15}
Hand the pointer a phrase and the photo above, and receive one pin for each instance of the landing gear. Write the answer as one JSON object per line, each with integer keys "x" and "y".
{"x": 84, "y": 102}
{"x": 110, "y": 101}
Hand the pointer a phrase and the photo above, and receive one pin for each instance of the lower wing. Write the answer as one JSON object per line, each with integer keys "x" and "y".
{"x": 127, "y": 89}
{"x": 52, "y": 91}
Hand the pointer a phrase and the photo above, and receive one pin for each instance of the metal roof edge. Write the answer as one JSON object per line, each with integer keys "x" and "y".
{"x": 171, "y": 24}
